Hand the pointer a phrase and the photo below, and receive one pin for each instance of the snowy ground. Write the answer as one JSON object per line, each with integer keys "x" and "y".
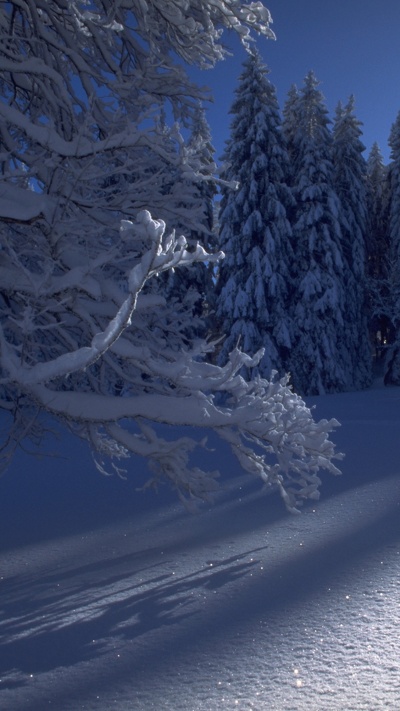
{"x": 116, "y": 601}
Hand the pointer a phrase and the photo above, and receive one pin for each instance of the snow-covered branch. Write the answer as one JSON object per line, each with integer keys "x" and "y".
{"x": 88, "y": 333}
{"x": 269, "y": 428}
{"x": 161, "y": 256}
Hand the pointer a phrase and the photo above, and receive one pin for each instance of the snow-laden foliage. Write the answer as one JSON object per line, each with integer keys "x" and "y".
{"x": 255, "y": 233}
{"x": 378, "y": 251}
{"x": 394, "y": 183}
{"x": 290, "y": 125}
{"x": 86, "y": 161}
{"x": 127, "y": 370}
{"x": 320, "y": 360}
{"x": 391, "y": 291}
{"x": 195, "y": 283}
{"x": 377, "y": 194}
{"x": 350, "y": 183}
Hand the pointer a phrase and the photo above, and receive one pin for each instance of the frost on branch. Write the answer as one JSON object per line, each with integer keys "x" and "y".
{"x": 129, "y": 377}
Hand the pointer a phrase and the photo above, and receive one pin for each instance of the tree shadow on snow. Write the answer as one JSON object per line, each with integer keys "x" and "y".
{"x": 62, "y": 620}
{"x": 49, "y": 627}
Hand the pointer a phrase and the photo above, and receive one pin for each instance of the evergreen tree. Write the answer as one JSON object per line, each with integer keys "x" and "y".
{"x": 253, "y": 281}
{"x": 378, "y": 251}
{"x": 200, "y": 144}
{"x": 394, "y": 184}
{"x": 392, "y": 370}
{"x": 320, "y": 360}
{"x": 350, "y": 184}
{"x": 290, "y": 122}
{"x": 192, "y": 285}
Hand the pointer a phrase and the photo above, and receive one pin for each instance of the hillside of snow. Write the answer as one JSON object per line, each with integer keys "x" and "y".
{"x": 113, "y": 599}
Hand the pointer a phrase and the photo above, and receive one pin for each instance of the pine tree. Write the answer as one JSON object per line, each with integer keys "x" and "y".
{"x": 194, "y": 284}
{"x": 350, "y": 184}
{"x": 378, "y": 251}
{"x": 394, "y": 182}
{"x": 290, "y": 122}
{"x": 320, "y": 360}
{"x": 392, "y": 369}
{"x": 255, "y": 234}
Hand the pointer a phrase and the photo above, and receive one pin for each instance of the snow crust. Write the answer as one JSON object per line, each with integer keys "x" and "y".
{"x": 112, "y": 599}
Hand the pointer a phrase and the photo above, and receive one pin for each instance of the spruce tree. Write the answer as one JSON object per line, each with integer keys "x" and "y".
{"x": 290, "y": 122}
{"x": 380, "y": 327}
{"x": 394, "y": 182}
{"x": 193, "y": 285}
{"x": 392, "y": 370}
{"x": 255, "y": 234}
{"x": 350, "y": 184}
{"x": 320, "y": 361}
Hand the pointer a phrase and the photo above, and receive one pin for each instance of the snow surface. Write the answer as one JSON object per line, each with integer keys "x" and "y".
{"x": 115, "y": 600}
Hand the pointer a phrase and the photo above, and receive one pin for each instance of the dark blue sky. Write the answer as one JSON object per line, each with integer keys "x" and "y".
{"x": 353, "y": 46}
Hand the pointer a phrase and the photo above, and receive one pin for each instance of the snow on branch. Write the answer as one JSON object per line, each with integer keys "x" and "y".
{"x": 87, "y": 331}
{"x": 23, "y": 205}
{"x": 161, "y": 256}
{"x": 269, "y": 428}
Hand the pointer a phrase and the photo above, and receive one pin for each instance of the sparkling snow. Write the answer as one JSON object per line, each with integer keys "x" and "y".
{"x": 116, "y": 600}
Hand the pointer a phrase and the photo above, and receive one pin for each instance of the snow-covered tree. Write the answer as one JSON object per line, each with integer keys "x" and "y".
{"x": 378, "y": 251}
{"x": 350, "y": 183}
{"x": 377, "y": 193}
{"x": 289, "y": 124}
{"x": 391, "y": 301}
{"x": 394, "y": 187}
{"x": 194, "y": 284}
{"x": 320, "y": 359}
{"x": 253, "y": 280}
{"x": 81, "y": 87}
